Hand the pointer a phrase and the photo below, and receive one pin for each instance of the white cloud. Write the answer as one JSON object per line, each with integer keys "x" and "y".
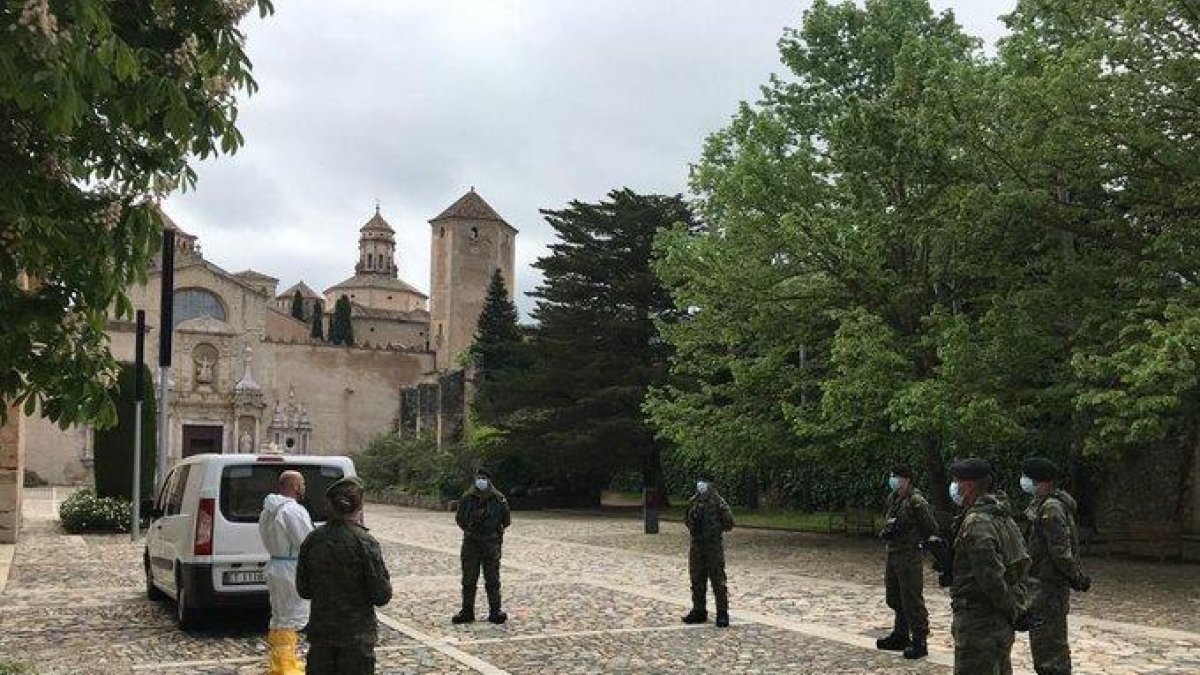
{"x": 534, "y": 102}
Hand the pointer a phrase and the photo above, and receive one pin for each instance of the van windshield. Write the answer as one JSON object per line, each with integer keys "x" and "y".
{"x": 244, "y": 487}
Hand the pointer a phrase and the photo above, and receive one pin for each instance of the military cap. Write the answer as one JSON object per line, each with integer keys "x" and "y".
{"x": 971, "y": 468}
{"x": 706, "y": 476}
{"x": 483, "y": 472}
{"x": 902, "y": 471}
{"x": 1040, "y": 469}
{"x": 348, "y": 484}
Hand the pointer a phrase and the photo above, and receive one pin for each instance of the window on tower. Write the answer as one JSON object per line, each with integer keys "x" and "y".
{"x": 474, "y": 233}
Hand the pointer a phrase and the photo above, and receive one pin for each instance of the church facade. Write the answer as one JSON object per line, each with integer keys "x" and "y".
{"x": 246, "y": 373}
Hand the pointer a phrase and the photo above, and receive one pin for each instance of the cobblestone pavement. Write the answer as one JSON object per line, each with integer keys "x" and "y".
{"x": 585, "y": 595}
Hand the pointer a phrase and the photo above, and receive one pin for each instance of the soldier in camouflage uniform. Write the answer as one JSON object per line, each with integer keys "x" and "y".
{"x": 707, "y": 518}
{"x": 991, "y": 569}
{"x": 483, "y": 516}
{"x": 1054, "y": 547}
{"x": 909, "y": 521}
{"x": 341, "y": 570}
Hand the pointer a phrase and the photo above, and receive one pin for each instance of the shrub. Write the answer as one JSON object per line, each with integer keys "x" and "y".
{"x": 15, "y": 668}
{"x": 83, "y": 511}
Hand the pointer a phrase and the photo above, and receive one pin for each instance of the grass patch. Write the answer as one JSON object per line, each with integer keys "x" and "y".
{"x": 14, "y": 668}
{"x": 780, "y": 519}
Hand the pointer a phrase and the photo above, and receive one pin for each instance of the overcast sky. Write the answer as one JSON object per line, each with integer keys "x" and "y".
{"x": 533, "y": 102}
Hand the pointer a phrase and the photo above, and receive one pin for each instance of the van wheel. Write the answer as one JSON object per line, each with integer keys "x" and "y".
{"x": 152, "y": 591}
{"x": 187, "y": 615}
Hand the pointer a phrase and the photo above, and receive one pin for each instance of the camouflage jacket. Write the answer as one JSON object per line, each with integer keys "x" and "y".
{"x": 913, "y": 519}
{"x": 708, "y": 517}
{"x": 991, "y": 567}
{"x": 341, "y": 570}
{"x": 1053, "y": 539}
{"x": 483, "y": 515}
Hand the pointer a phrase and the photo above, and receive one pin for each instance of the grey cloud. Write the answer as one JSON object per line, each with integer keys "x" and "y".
{"x": 534, "y": 102}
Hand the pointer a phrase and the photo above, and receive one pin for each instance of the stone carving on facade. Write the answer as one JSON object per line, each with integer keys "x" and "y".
{"x": 248, "y": 405}
{"x": 204, "y": 360}
{"x": 291, "y": 426}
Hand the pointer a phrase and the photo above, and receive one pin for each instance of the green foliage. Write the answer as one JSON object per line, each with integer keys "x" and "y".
{"x": 297, "y": 305}
{"x": 414, "y": 465}
{"x": 103, "y": 107}
{"x": 113, "y": 454}
{"x": 497, "y": 336}
{"x": 83, "y": 511}
{"x": 16, "y": 668}
{"x": 341, "y": 331}
{"x": 318, "y": 322}
{"x": 913, "y": 251}
{"x": 572, "y": 419}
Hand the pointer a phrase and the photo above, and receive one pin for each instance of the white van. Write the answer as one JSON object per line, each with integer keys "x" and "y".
{"x": 203, "y": 546}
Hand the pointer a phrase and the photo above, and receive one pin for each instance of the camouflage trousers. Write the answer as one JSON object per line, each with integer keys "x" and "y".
{"x": 706, "y": 564}
{"x": 983, "y": 641}
{"x": 905, "y": 583}
{"x": 478, "y": 554}
{"x": 343, "y": 657}
{"x": 1048, "y": 642}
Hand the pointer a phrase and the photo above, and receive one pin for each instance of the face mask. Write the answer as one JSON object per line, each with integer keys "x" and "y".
{"x": 702, "y": 487}
{"x": 1028, "y": 485}
{"x": 894, "y": 483}
{"x": 956, "y": 494}
{"x": 481, "y": 484}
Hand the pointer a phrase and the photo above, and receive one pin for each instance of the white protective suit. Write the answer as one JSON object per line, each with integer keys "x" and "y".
{"x": 283, "y": 525}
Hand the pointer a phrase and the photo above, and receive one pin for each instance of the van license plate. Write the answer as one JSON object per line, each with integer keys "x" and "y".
{"x": 243, "y": 578}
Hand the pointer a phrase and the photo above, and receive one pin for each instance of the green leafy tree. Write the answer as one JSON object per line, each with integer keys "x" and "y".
{"x": 341, "y": 331}
{"x": 318, "y": 322}
{"x": 575, "y": 414}
{"x": 297, "y": 305}
{"x": 103, "y": 105}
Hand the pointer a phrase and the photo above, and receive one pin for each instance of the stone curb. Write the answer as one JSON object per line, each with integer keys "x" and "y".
{"x": 6, "y": 557}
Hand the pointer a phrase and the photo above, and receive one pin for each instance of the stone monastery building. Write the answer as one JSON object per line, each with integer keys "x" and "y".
{"x": 245, "y": 372}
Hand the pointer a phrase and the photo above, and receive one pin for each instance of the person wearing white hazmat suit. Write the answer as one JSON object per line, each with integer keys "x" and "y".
{"x": 283, "y": 526}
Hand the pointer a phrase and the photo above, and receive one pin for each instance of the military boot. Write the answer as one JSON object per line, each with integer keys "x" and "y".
{"x": 467, "y": 613}
{"x": 494, "y": 614}
{"x": 898, "y": 640}
{"x": 918, "y": 649}
{"x": 722, "y": 596}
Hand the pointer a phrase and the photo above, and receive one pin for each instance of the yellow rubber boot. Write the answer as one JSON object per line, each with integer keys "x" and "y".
{"x": 276, "y": 652}
{"x": 292, "y": 665}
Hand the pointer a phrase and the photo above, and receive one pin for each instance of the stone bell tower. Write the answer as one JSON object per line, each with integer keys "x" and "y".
{"x": 470, "y": 241}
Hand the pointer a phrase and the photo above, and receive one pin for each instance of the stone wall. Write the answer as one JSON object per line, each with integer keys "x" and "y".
{"x": 12, "y": 474}
{"x": 58, "y": 456}
{"x": 351, "y": 394}
{"x": 436, "y": 407}
{"x": 1148, "y": 487}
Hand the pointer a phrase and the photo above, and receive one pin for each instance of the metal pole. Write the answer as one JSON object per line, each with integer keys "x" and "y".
{"x": 166, "y": 327}
{"x": 138, "y": 366}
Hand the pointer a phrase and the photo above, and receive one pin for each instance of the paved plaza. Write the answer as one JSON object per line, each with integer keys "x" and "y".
{"x": 584, "y": 595}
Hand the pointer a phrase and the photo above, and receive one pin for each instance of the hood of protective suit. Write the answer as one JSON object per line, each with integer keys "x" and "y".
{"x": 283, "y": 525}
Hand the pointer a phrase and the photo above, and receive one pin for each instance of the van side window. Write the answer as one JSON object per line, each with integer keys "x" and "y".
{"x": 175, "y": 494}
{"x": 160, "y": 502}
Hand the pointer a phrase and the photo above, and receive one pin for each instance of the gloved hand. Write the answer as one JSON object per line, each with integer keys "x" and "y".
{"x": 1082, "y": 583}
{"x": 1027, "y": 621}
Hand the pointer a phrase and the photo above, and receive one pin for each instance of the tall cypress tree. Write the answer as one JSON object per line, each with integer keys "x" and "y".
{"x": 341, "y": 332}
{"x": 498, "y": 352}
{"x": 318, "y": 321}
{"x": 596, "y": 350}
{"x": 298, "y": 305}
{"x": 496, "y": 333}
